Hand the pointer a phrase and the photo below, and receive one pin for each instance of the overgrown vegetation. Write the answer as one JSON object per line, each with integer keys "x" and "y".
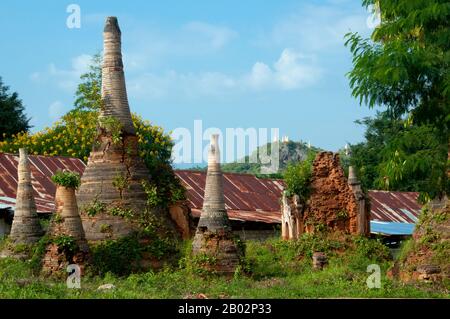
{"x": 113, "y": 127}
{"x": 279, "y": 269}
{"x": 125, "y": 255}
{"x": 298, "y": 178}
{"x": 94, "y": 208}
{"x": 67, "y": 179}
{"x": 74, "y": 135}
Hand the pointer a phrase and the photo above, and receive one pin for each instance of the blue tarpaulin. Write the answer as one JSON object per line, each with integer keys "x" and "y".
{"x": 391, "y": 228}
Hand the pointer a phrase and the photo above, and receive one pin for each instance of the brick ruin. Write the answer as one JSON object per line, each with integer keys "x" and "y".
{"x": 214, "y": 236}
{"x": 25, "y": 226}
{"x": 66, "y": 222}
{"x": 114, "y": 174}
{"x": 335, "y": 204}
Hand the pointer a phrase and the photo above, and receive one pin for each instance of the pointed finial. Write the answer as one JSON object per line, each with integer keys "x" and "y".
{"x": 112, "y": 25}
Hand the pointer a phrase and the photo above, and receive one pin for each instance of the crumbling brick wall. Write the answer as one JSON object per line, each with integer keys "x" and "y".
{"x": 332, "y": 206}
{"x": 332, "y": 202}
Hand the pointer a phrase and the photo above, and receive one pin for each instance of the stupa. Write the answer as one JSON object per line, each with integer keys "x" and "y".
{"x": 214, "y": 236}
{"x": 114, "y": 176}
{"x": 25, "y": 227}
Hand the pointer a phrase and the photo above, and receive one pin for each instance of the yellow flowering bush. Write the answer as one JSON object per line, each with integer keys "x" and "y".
{"x": 74, "y": 134}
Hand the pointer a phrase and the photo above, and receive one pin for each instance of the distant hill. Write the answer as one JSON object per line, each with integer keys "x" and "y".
{"x": 289, "y": 152}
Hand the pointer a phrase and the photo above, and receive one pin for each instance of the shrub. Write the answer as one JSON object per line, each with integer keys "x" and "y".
{"x": 113, "y": 127}
{"x": 94, "y": 208}
{"x": 122, "y": 212}
{"x": 38, "y": 253}
{"x": 66, "y": 243}
{"x": 123, "y": 256}
{"x": 371, "y": 248}
{"x": 67, "y": 179}
{"x": 298, "y": 178}
{"x": 116, "y": 256}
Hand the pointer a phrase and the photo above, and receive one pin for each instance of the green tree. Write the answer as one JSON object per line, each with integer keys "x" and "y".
{"x": 297, "y": 177}
{"x": 412, "y": 154}
{"x": 74, "y": 136}
{"x": 88, "y": 95}
{"x": 368, "y": 155}
{"x": 12, "y": 118}
{"x": 415, "y": 160}
{"x": 404, "y": 67}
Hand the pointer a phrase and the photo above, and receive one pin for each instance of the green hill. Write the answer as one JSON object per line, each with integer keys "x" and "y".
{"x": 288, "y": 152}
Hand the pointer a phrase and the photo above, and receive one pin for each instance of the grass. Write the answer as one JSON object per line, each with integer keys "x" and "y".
{"x": 277, "y": 269}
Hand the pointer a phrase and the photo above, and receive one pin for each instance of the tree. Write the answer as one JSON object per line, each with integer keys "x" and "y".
{"x": 74, "y": 136}
{"x": 415, "y": 160}
{"x": 13, "y": 120}
{"x": 417, "y": 156}
{"x": 297, "y": 177}
{"x": 405, "y": 68}
{"x": 89, "y": 95}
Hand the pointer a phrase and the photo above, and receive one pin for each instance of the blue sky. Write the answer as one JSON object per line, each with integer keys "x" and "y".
{"x": 261, "y": 64}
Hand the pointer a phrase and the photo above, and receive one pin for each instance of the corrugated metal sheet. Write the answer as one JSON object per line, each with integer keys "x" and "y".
{"x": 253, "y": 199}
{"x": 400, "y": 207}
{"x": 42, "y": 168}
{"x": 391, "y": 228}
{"x": 247, "y": 197}
{"x": 253, "y": 216}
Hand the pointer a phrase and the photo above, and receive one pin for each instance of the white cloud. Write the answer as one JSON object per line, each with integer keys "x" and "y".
{"x": 314, "y": 28}
{"x": 66, "y": 79}
{"x": 260, "y": 76}
{"x": 56, "y": 110}
{"x": 150, "y": 46}
{"x": 290, "y": 72}
{"x": 216, "y": 36}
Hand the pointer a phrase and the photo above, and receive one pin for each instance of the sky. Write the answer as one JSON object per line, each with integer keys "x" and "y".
{"x": 231, "y": 64}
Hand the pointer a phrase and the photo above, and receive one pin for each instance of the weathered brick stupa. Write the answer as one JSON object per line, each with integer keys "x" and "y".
{"x": 111, "y": 186}
{"x": 332, "y": 204}
{"x": 65, "y": 224}
{"x": 335, "y": 203}
{"x": 25, "y": 226}
{"x": 214, "y": 236}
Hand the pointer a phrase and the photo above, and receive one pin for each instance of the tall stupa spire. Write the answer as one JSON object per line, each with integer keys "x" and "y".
{"x": 114, "y": 91}
{"x": 214, "y": 235}
{"x": 115, "y": 175}
{"x": 25, "y": 227}
{"x": 214, "y": 215}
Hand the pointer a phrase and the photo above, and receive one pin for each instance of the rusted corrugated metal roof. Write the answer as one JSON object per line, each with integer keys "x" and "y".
{"x": 247, "y": 197}
{"x": 255, "y": 199}
{"x": 254, "y": 216}
{"x": 388, "y": 206}
{"x": 42, "y": 168}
